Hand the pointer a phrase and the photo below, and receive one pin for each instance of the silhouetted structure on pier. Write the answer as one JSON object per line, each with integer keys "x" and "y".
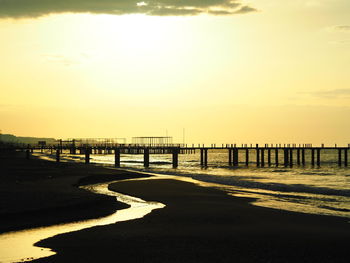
{"x": 153, "y": 141}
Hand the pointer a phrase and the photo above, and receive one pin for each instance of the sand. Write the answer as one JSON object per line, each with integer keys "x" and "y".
{"x": 200, "y": 224}
{"x": 41, "y": 193}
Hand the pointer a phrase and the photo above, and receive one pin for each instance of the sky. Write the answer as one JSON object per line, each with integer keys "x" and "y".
{"x": 225, "y": 71}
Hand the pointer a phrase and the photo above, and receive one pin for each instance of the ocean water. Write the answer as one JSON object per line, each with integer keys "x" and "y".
{"x": 317, "y": 190}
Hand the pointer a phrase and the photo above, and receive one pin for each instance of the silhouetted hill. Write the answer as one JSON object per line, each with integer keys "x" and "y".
{"x": 25, "y": 140}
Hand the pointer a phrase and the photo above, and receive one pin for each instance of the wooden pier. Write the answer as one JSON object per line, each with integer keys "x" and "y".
{"x": 292, "y": 155}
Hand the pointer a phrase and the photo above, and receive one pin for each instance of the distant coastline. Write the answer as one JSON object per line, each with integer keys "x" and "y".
{"x": 10, "y": 138}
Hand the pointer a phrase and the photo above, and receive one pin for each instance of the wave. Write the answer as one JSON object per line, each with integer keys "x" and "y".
{"x": 280, "y": 187}
{"x": 334, "y": 208}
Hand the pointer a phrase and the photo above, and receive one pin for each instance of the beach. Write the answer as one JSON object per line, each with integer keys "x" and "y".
{"x": 37, "y": 193}
{"x": 197, "y": 224}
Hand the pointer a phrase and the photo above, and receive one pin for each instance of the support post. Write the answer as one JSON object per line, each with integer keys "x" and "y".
{"x": 291, "y": 157}
{"x": 74, "y": 149}
{"x": 312, "y": 157}
{"x": 175, "y": 157}
{"x": 58, "y": 155}
{"x": 87, "y": 155}
{"x": 146, "y": 157}
{"x": 202, "y": 157}
{"x": 60, "y": 146}
{"x": 257, "y": 157}
{"x": 235, "y": 157}
{"x": 303, "y": 156}
{"x": 318, "y": 151}
{"x": 205, "y": 157}
{"x": 262, "y": 157}
{"x": 269, "y": 157}
{"x": 117, "y": 157}
{"x": 339, "y": 157}
{"x": 247, "y": 157}
{"x": 286, "y": 157}
{"x": 345, "y": 157}
{"x": 298, "y": 156}
{"x": 230, "y": 157}
{"x": 276, "y": 156}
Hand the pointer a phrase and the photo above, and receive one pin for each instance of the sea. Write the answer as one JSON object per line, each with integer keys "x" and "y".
{"x": 309, "y": 189}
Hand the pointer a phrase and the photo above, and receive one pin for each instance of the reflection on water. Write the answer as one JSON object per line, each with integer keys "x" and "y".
{"x": 18, "y": 246}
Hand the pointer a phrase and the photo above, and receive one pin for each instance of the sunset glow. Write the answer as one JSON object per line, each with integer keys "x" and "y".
{"x": 235, "y": 78}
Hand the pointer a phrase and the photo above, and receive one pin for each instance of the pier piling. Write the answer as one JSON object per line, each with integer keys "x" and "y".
{"x": 202, "y": 157}
{"x": 87, "y": 155}
{"x": 205, "y": 157}
{"x": 345, "y": 157}
{"x": 286, "y": 157}
{"x": 262, "y": 157}
{"x": 117, "y": 157}
{"x": 146, "y": 157}
{"x": 247, "y": 157}
{"x": 230, "y": 157}
{"x": 58, "y": 155}
{"x": 235, "y": 157}
{"x": 175, "y": 157}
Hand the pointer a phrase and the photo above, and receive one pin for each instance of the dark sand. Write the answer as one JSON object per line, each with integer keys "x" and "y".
{"x": 202, "y": 224}
{"x": 40, "y": 193}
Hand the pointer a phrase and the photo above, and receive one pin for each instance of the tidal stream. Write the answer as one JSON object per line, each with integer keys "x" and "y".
{"x": 19, "y": 246}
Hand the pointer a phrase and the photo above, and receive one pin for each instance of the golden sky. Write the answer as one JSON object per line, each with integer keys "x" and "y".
{"x": 228, "y": 71}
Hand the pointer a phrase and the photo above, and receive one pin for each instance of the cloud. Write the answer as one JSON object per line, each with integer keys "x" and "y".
{"x": 245, "y": 9}
{"x": 331, "y": 94}
{"x": 236, "y": 11}
{"x": 340, "y": 42}
{"x": 37, "y": 8}
{"x": 342, "y": 28}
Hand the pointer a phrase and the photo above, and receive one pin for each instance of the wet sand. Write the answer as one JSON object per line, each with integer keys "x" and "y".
{"x": 40, "y": 193}
{"x": 202, "y": 224}
{"x": 198, "y": 224}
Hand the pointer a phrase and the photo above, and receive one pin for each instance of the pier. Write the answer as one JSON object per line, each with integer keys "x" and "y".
{"x": 267, "y": 155}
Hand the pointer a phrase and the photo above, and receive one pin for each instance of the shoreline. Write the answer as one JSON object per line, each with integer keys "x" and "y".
{"x": 35, "y": 193}
{"x": 202, "y": 224}
{"x": 80, "y": 174}
{"x": 300, "y": 189}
